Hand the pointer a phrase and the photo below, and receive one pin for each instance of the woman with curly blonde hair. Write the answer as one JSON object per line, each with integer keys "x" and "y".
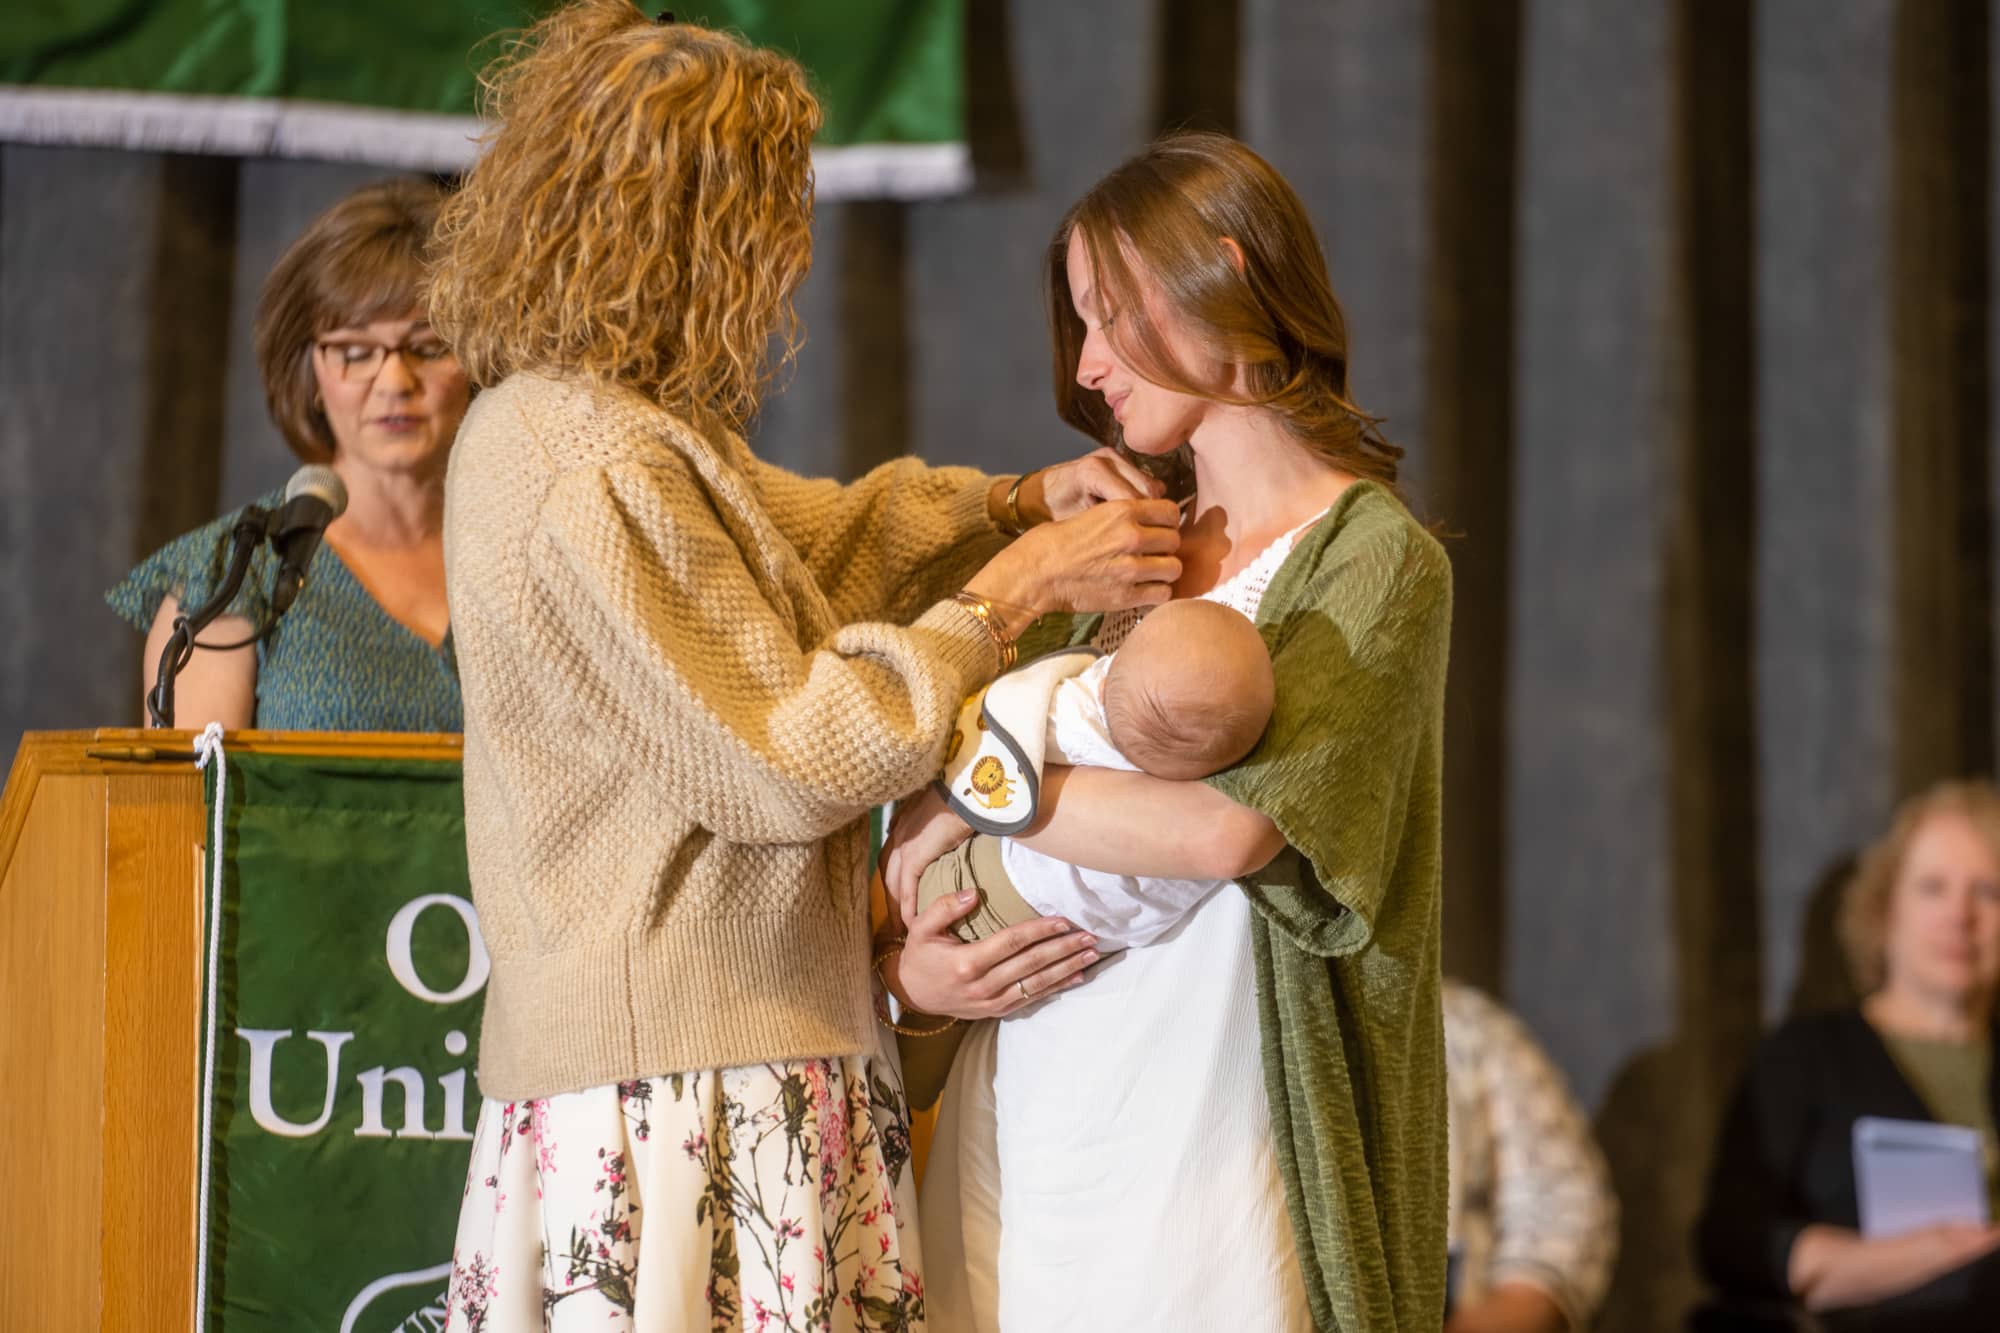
{"x": 1921, "y": 925}
{"x": 688, "y": 676}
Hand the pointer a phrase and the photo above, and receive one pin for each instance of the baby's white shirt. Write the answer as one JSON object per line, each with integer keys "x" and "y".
{"x": 1078, "y": 732}
{"x": 1123, "y": 911}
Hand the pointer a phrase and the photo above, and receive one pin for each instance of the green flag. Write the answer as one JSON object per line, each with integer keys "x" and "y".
{"x": 341, "y": 1099}
{"x": 339, "y": 1107}
{"x": 394, "y": 82}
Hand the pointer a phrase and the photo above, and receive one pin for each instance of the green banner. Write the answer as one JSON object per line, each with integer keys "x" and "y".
{"x": 393, "y": 82}
{"x": 346, "y": 1015}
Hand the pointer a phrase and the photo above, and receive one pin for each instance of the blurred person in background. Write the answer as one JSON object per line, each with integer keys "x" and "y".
{"x": 1779, "y": 1235}
{"x": 1533, "y": 1229}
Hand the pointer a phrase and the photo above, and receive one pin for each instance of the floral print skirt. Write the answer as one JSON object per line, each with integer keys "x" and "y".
{"x": 766, "y": 1198}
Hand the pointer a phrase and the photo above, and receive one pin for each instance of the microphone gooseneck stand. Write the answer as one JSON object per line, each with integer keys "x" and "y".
{"x": 245, "y": 537}
{"x": 314, "y": 497}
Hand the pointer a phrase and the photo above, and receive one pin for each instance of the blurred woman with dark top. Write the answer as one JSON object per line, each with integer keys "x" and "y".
{"x": 1921, "y": 927}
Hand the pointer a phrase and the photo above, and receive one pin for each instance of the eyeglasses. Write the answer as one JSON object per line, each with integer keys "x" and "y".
{"x": 354, "y": 360}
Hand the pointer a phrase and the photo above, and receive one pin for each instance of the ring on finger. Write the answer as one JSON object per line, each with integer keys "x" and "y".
{"x": 1021, "y": 985}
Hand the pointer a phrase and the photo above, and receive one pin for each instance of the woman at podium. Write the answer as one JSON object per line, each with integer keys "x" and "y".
{"x": 689, "y": 674}
{"x": 355, "y": 379}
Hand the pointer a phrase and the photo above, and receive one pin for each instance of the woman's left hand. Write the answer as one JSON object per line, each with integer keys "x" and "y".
{"x": 936, "y": 973}
{"x": 924, "y": 829}
{"x": 1067, "y": 489}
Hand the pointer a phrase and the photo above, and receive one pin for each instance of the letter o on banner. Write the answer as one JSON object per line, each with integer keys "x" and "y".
{"x": 404, "y": 968}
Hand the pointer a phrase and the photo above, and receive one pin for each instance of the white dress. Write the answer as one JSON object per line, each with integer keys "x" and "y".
{"x": 1104, "y": 1161}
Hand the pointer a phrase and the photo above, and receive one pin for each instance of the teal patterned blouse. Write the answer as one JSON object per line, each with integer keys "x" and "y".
{"x": 336, "y": 661}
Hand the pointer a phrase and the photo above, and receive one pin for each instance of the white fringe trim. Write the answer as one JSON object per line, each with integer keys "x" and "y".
{"x": 892, "y": 170}
{"x": 269, "y": 127}
{"x": 208, "y": 746}
{"x": 236, "y": 126}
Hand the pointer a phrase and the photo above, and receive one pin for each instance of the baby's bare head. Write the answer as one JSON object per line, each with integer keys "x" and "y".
{"x": 1189, "y": 693}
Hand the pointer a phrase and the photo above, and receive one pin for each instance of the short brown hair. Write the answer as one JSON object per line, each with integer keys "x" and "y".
{"x": 1864, "y": 905}
{"x": 361, "y": 260}
{"x": 641, "y": 216}
{"x": 1168, "y": 209}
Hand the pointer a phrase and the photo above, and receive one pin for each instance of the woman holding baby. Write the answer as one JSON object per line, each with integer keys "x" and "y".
{"x": 1240, "y": 1123}
{"x": 688, "y": 675}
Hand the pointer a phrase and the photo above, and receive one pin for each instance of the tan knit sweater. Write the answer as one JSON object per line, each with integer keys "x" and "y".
{"x": 685, "y": 685}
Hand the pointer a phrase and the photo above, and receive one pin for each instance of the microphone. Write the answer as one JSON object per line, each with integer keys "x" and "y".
{"x": 314, "y": 497}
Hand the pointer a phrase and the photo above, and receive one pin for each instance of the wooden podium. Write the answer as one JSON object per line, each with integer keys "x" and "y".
{"x": 100, "y": 967}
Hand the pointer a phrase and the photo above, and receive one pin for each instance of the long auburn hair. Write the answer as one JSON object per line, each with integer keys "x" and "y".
{"x": 1157, "y": 223}
{"x": 642, "y": 214}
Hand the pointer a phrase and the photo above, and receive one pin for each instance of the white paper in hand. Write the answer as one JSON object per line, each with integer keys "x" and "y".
{"x": 1916, "y": 1173}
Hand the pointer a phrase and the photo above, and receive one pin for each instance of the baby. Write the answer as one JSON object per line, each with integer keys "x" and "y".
{"x": 1187, "y": 694}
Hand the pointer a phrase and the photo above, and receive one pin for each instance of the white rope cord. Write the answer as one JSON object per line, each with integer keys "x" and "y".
{"x": 208, "y": 746}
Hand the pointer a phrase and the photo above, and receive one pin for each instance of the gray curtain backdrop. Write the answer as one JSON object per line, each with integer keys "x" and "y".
{"x": 1682, "y": 310}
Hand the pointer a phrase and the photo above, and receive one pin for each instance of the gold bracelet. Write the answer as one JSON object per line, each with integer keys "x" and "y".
{"x": 1014, "y": 527}
{"x": 983, "y": 611}
{"x": 1028, "y": 614}
{"x": 882, "y": 1002}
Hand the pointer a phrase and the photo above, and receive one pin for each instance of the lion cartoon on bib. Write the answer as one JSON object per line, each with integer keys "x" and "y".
{"x": 991, "y": 786}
